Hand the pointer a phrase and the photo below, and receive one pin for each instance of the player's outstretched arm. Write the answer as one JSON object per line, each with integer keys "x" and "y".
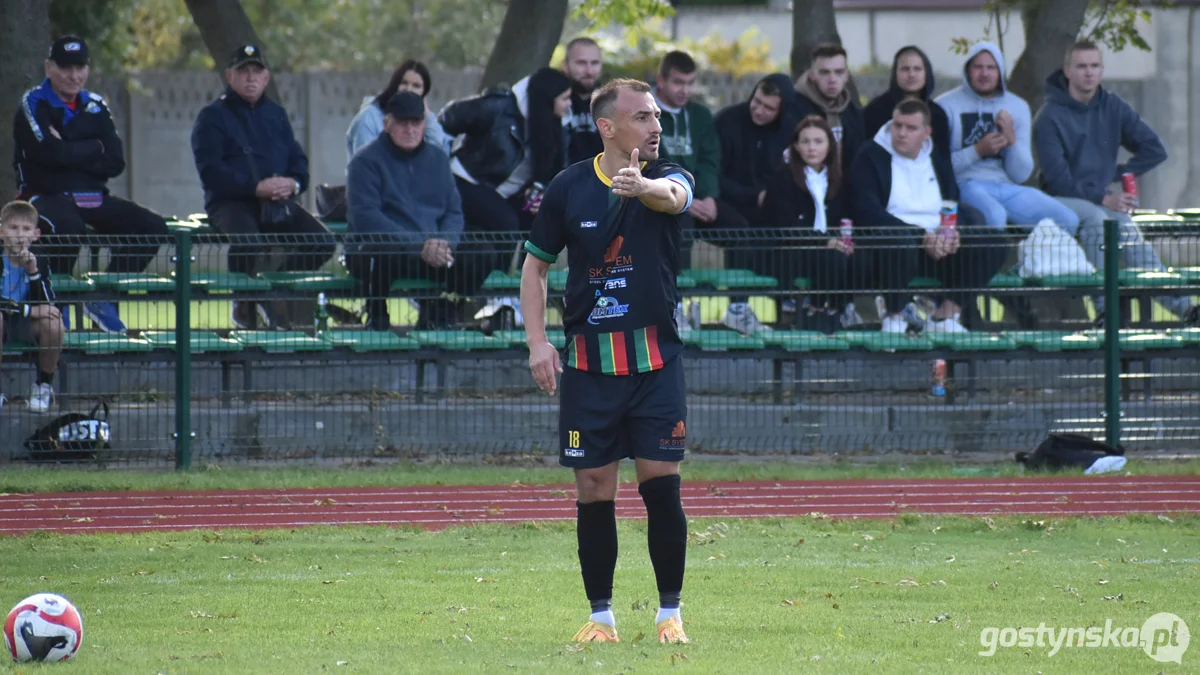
{"x": 660, "y": 194}
{"x": 544, "y": 362}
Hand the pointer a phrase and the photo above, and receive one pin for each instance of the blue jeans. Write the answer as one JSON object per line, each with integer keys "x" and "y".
{"x": 1002, "y": 203}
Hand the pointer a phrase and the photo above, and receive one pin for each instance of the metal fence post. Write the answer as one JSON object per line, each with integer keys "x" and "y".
{"x": 1112, "y": 332}
{"x": 183, "y": 350}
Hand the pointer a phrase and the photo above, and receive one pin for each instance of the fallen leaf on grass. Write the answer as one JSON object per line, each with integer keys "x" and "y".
{"x": 333, "y": 581}
{"x": 828, "y": 595}
{"x": 989, "y": 522}
{"x": 1101, "y": 563}
{"x": 676, "y": 657}
{"x": 716, "y": 491}
{"x": 1102, "y": 582}
{"x": 950, "y": 559}
{"x": 1118, "y": 597}
{"x": 878, "y": 583}
{"x": 790, "y": 603}
{"x": 800, "y": 541}
{"x": 1165, "y": 519}
{"x": 485, "y": 580}
{"x": 940, "y": 618}
{"x": 200, "y": 615}
{"x": 638, "y": 638}
{"x": 719, "y": 556}
{"x": 559, "y": 493}
{"x": 835, "y": 606}
{"x": 907, "y": 582}
{"x": 343, "y": 663}
{"x": 993, "y": 585}
{"x": 641, "y": 604}
{"x": 83, "y": 520}
{"x": 254, "y": 558}
{"x": 867, "y": 537}
{"x": 328, "y": 501}
{"x": 495, "y": 511}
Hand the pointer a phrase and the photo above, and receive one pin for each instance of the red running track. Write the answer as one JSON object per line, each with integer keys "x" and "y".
{"x": 437, "y": 506}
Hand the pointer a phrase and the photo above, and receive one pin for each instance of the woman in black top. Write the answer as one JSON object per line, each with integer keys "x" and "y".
{"x": 805, "y": 201}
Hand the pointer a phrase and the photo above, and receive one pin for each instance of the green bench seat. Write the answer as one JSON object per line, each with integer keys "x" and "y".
{"x": 103, "y": 343}
{"x": 1052, "y": 341}
{"x": 369, "y": 340}
{"x": 731, "y": 278}
{"x": 337, "y": 226}
{"x": 971, "y": 342}
{"x": 1150, "y": 278}
{"x": 717, "y": 340}
{"x": 924, "y": 282}
{"x": 516, "y": 338}
{"x": 227, "y": 282}
{"x": 410, "y": 285}
{"x": 877, "y": 341}
{"x": 1069, "y": 281}
{"x": 309, "y": 282}
{"x": 64, "y": 284}
{"x": 14, "y": 347}
{"x": 280, "y": 341}
{"x": 1006, "y": 280}
{"x": 200, "y": 342}
{"x": 139, "y": 282}
{"x": 1138, "y": 339}
{"x": 499, "y": 281}
{"x": 1189, "y": 336}
{"x": 1191, "y": 275}
{"x": 455, "y": 340}
{"x": 805, "y": 341}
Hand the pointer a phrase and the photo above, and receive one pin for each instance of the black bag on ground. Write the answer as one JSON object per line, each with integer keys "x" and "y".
{"x": 331, "y": 202}
{"x": 73, "y": 437}
{"x": 1067, "y": 451}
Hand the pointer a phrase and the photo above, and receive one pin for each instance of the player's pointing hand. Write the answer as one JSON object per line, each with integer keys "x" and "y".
{"x": 629, "y": 181}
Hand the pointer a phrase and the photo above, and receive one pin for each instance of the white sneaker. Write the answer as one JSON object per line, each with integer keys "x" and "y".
{"x": 40, "y": 396}
{"x": 950, "y": 325}
{"x": 686, "y": 322}
{"x": 895, "y": 324}
{"x": 741, "y": 317}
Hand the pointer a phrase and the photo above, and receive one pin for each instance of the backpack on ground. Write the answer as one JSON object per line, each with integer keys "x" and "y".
{"x": 1072, "y": 451}
{"x": 73, "y": 437}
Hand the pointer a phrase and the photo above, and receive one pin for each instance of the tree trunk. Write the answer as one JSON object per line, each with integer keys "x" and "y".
{"x": 224, "y": 27}
{"x": 1050, "y": 27}
{"x": 530, "y": 31}
{"x": 24, "y": 43}
{"x": 813, "y": 22}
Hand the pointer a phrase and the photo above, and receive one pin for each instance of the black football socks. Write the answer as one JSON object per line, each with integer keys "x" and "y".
{"x": 667, "y": 537}
{"x": 596, "y": 529}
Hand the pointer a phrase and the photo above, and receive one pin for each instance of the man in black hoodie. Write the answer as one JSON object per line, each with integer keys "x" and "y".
{"x": 823, "y": 90}
{"x": 912, "y": 78}
{"x": 754, "y": 135}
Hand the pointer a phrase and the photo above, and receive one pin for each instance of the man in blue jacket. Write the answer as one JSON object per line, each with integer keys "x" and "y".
{"x": 1077, "y": 135}
{"x": 252, "y": 169}
{"x": 406, "y": 218}
{"x": 66, "y": 149}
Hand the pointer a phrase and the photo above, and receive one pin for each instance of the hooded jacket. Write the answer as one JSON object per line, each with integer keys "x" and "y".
{"x": 895, "y": 195}
{"x": 491, "y": 135}
{"x": 750, "y": 154}
{"x": 1077, "y": 143}
{"x": 972, "y": 117}
{"x": 82, "y": 157}
{"x": 879, "y": 111}
{"x": 689, "y": 138}
{"x": 844, "y": 115}
{"x": 584, "y": 140}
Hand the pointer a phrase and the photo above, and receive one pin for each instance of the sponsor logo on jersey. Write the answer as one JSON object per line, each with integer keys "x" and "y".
{"x": 607, "y": 308}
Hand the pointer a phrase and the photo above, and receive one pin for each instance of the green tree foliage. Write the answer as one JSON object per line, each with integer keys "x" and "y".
{"x": 1113, "y": 23}
{"x": 105, "y": 26}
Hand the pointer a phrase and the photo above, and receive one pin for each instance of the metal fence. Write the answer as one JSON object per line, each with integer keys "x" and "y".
{"x": 330, "y": 347}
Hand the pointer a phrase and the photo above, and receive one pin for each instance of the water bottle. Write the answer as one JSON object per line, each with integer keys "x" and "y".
{"x": 939, "y": 378}
{"x": 321, "y": 317}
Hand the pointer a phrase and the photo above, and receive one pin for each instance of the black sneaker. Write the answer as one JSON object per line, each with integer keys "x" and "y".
{"x": 273, "y": 314}
{"x": 1191, "y": 318}
{"x": 244, "y": 316}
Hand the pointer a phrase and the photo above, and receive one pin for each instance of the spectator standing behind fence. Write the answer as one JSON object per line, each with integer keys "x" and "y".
{"x": 511, "y": 140}
{"x": 823, "y": 90}
{"x": 26, "y": 312}
{"x": 912, "y": 78}
{"x": 411, "y": 76}
{"x": 252, "y": 169}
{"x": 583, "y": 65}
{"x": 66, "y": 150}
{"x": 1077, "y": 135}
{"x": 990, "y": 132}
{"x": 899, "y": 188}
{"x": 405, "y": 217}
{"x": 806, "y": 201}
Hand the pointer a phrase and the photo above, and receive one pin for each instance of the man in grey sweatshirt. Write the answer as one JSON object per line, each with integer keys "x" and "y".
{"x": 990, "y": 130}
{"x": 1077, "y": 135}
{"x": 405, "y": 217}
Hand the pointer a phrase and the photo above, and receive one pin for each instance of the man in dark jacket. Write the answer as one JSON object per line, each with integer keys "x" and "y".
{"x": 252, "y": 169}
{"x": 583, "y": 64}
{"x": 1077, "y": 135}
{"x": 912, "y": 78}
{"x": 900, "y": 187}
{"x": 754, "y": 135}
{"x": 822, "y": 90}
{"x": 66, "y": 150}
{"x": 405, "y": 217}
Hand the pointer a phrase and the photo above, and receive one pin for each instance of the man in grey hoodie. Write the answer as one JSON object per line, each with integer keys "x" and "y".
{"x": 990, "y": 130}
{"x": 1077, "y": 134}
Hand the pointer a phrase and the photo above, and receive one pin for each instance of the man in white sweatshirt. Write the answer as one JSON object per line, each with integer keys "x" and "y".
{"x": 899, "y": 187}
{"x": 991, "y": 148}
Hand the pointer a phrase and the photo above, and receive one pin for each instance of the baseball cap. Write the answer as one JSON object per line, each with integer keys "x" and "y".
{"x": 69, "y": 50}
{"x": 247, "y": 54}
{"x": 406, "y": 105}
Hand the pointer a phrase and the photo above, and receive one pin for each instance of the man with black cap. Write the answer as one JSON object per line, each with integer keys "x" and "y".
{"x": 252, "y": 169}
{"x": 66, "y": 149}
{"x": 405, "y": 217}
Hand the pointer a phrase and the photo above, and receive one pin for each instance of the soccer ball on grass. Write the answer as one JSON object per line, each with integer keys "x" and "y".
{"x": 43, "y": 627}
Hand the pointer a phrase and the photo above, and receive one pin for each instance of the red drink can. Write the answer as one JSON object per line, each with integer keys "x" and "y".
{"x": 939, "y": 378}
{"x": 1129, "y": 184}
{"x": 847, "y": 229}
{"x": 950, "y": 214}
